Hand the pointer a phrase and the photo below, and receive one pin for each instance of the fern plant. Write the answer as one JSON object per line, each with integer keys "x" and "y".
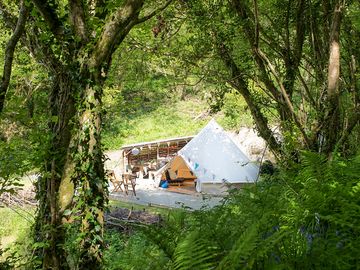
{"x": 195, "y": 252}
{"x": 303, "y": 217}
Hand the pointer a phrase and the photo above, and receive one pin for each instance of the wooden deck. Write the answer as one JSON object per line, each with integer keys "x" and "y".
{"x": 187, "y": 187}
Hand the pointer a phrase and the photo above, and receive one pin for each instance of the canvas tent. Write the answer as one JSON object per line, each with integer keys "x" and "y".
{"x": 214, "y": 158}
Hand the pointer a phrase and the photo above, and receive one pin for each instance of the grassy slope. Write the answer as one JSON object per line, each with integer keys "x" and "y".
{"x": 182, "y": 118}
{"x": 12, "y": 227}
{"x": 163, "y": 122}
{"x": 15, "y": 231}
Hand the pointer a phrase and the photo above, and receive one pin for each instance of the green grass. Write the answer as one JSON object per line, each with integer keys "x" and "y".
{"x": 13, "y": 226}
{"x": 15, "y": 234}
{"x": 174, "y": 120}
{"x": 182, "y": 118}
{"x": 152, "y": 209}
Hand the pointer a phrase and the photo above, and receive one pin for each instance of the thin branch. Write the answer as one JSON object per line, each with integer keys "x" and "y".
{"x": 286, "y": 97}
{"x": 9, "y": 52}
{"x": 259, "y": 85}
{"x": 20, "y": 214}
{"x": 256, "y": 18}
{"x": 352, "y": 124}
{"x": 239, "y": 83}
{"x": 273, "y": 26}
{"x": 307, "y": 90}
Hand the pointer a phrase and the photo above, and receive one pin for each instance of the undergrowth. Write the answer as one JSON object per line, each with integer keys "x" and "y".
{"x": 304, "y": 217}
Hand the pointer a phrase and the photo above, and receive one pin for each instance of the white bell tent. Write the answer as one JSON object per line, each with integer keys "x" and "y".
{"x": 215, "y": 159}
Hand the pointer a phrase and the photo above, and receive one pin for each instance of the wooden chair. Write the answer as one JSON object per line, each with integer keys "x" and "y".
{"x": 129, "y": 180}
{"x": 116, "y": 182}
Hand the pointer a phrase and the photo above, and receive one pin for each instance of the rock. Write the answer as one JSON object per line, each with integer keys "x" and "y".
{"x": 251, "y": 144}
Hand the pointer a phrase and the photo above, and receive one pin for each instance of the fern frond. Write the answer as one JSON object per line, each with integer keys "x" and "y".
{"x": 194, "y": 252}
{"x": 239, "y": 256}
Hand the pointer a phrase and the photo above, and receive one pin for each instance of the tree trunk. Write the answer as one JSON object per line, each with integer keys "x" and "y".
{"x": 332, "y": 115}
{"x": 9, "y": 52}
{"x": 89, "y": 176}
{"x": 80, "y": 173}
{"x": 48, "y": 229}
{"x": 77, "y": 56}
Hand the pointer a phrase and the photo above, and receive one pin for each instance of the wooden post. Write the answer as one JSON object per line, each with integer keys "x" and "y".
{"x": 157, "y": 153}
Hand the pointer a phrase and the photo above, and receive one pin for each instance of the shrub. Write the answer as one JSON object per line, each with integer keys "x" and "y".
{"x": 304, "y": 217}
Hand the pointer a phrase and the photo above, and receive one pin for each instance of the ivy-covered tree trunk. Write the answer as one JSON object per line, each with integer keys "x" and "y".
{"x": 48, "y": 230}
{"x": 73, "y": 188}
{"x": 88, "y": 176}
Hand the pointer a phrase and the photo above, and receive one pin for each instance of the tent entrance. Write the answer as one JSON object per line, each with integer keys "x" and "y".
{"x": 179, "y": 176}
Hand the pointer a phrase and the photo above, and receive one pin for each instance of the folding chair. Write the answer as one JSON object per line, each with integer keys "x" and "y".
{"x": 129, "y": 180}
{"x": 116, "y": 183}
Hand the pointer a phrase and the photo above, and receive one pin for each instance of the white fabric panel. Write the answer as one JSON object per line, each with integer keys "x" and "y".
{"x": 215, "y": 158}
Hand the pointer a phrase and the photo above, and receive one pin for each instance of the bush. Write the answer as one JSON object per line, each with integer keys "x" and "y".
{"x": 304, "y": 217}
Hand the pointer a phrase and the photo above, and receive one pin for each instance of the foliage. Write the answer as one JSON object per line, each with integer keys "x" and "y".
{"x": 305, "y": 217}
{"x": 194, "y": 244}
{"x": 15, "y": 238}
{"x": 271, "y": 45}
{"x": 163, "y": 71}
{"x": 169, "y": 120}
{"x": 11, "y": 165}
{"x": 152, "y": 94}
{"x": 235, "y": 112}
{"x": 136, "y": 253}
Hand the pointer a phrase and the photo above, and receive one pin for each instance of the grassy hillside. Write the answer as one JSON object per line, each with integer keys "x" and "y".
{"x": 172, "y": 118}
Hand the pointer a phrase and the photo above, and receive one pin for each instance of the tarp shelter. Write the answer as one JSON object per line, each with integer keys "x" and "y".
{"x": 152, "y": 152}
{"x": 214, "y": 159}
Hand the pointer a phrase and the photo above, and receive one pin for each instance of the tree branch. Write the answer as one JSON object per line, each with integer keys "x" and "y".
{"x": 77, "y": 19}
{"x": 285, "y": 107}
{"x": 9, "y": 52}
{"x": 256, "y": 29}
{"x": 307, "y": 90}
{"x": 114, "y": 31}
{"x": 246, "y": 16}
{"x": 286, "y": 98}
{"x": 354, "y": 120}
{"x": 239, "y": 83}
